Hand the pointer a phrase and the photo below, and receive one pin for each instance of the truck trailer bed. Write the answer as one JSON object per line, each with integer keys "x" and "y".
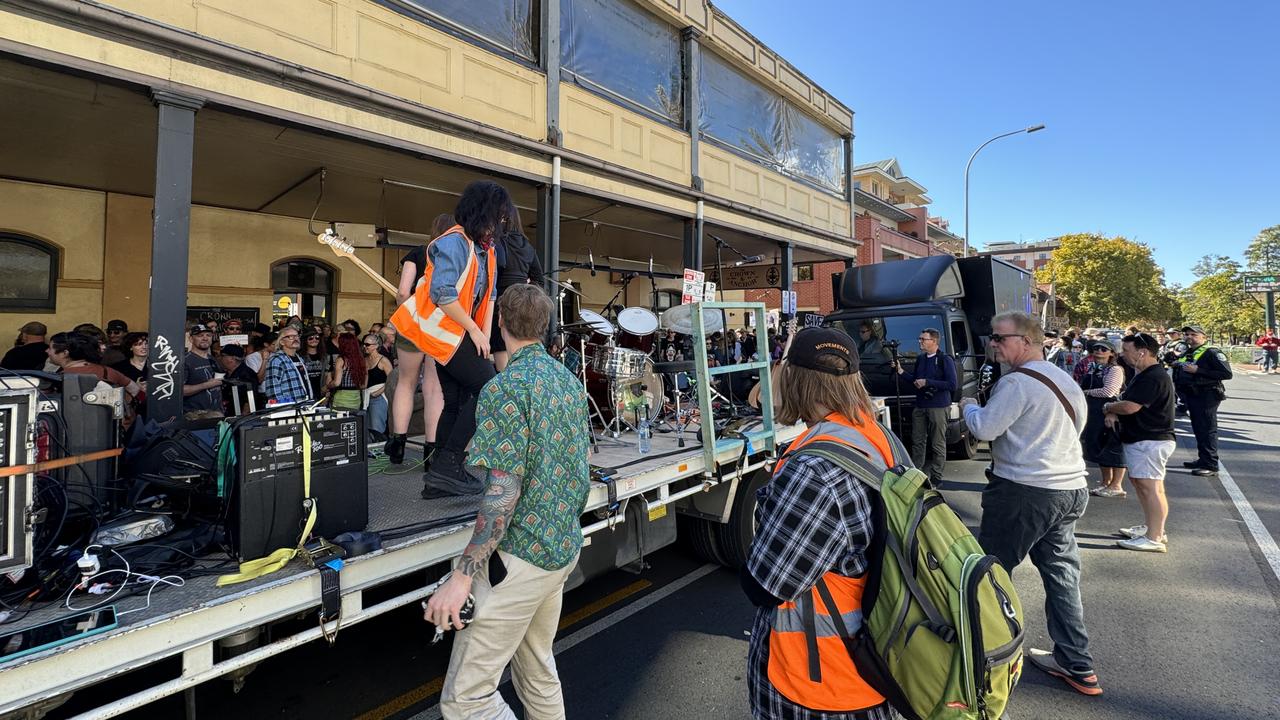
{"x": 189, "y": 620}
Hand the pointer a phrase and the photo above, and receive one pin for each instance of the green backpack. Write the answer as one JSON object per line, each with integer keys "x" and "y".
{"x": 942, "y": 636}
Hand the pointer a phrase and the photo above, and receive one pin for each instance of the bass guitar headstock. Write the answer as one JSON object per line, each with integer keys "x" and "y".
{"x": 337, "y": 244}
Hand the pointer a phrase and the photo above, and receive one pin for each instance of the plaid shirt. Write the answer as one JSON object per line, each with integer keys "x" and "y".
{"x": 286, "y": 379}
{"x": 811, "y": 518}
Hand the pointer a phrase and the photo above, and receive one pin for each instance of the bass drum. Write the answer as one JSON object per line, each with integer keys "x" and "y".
{"x": 646, "y": 392}
{"x": 638, "y": 329}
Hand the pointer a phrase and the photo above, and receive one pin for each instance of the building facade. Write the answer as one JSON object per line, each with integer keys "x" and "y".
{"x": 164, "y": 154}
{"x": 1031, "y": 255}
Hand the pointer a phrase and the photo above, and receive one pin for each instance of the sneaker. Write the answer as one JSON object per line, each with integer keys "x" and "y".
{"x": 1104, "y": 491}
{"x": 1143, "y": 544}
{"x": 1138, "y": 531}
{"x": 1204, "y": 472}
{"x": 1084, "y": 683}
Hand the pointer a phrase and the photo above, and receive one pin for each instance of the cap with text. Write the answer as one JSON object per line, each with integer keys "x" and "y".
{"x": 812, "y": 344}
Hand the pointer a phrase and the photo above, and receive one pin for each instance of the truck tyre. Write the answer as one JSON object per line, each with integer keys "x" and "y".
{"x": 736, "y": 535}
{"x": 967, "y": 448}
{"x": 700, "y": 537}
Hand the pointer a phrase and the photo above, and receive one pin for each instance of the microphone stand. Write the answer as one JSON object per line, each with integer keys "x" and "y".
{"x": 897, "y": 387}
{"x": 724, "y": 337}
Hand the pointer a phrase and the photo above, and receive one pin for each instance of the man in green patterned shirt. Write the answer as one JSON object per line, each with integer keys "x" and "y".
{"x": 531, "y": 442}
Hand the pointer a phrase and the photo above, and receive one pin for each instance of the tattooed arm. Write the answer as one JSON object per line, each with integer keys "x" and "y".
{"x": 492, "y": 521}
{"x": 496, "y": 509}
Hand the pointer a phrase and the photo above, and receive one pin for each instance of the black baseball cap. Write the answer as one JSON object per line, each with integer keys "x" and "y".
{"x": 233, "y": 350}
{"x": 118, "y": 326}
{"x": 1096, "y": 346}
{"x": 200, "y": 328}
{"x": 1194, "y": 329}
{"x": 810, "y": 344}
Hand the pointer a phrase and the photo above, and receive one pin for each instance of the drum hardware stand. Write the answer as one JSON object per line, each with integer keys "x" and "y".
{"x": 627, "y": 277}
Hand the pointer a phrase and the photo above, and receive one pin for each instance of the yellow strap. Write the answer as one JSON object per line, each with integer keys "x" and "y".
{"x": 278, "y": 559}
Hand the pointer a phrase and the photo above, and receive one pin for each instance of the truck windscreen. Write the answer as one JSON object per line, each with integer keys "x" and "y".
{"x": 875, "y": 336}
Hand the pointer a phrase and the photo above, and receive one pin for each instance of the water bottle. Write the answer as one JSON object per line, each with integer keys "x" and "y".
{"x": 644, "y": 434}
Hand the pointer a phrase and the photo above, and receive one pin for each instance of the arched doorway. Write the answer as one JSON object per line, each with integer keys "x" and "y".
{"x": 304, "y": 288}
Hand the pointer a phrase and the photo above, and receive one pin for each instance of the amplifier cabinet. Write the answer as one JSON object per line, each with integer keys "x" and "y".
{"x": 18, "y": 408}
{"x": 266, "y": 510}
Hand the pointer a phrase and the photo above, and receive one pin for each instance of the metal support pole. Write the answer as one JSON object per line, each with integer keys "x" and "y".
{"x": 693, "y": 233}
{"x": 549, "y": 229}
{"x": 550, "y": 45}
{"x": 170, "y": 240}
{"x": 689, "y": 39}
{"x": 1271, "y": 310}
{"x": 788, "y": 261}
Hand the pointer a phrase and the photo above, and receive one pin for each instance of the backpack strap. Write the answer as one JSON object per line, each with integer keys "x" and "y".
{"x": 1052, "y": 386}
{"x": 862, "y": 468}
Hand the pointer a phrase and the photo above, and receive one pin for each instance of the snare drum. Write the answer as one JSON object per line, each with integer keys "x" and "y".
{"x": 620, "y": 363}
{"x": 639, "y": 329}
{"x": 602, "y": 330}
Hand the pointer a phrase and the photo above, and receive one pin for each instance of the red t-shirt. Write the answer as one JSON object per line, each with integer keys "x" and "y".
{"x": 106, "y": 374}
{"x": 1269, "y": 343}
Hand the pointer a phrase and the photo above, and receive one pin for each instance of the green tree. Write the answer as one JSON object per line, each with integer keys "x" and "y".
{"x": 1218, "y": 302}
{"x": 1107, "y": 280}
{"x": 1263, "y": 254}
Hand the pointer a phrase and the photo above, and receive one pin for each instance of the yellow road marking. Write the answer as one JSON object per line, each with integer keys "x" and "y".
{"x": 433, "y": 686}
{"x": 405, "y": 701}
{"x": 604, "y": 602}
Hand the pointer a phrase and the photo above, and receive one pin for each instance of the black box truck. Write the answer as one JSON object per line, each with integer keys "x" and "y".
{"x": 894, "y": 301}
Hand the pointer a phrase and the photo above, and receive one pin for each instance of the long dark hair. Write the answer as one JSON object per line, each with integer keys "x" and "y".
{"x": 78, "y": 346}
{"x": 349, "y": 351}
{"x": 482, "y": 211}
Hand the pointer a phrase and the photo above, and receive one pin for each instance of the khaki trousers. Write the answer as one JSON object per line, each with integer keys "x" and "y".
{"x": 515, "y": 623}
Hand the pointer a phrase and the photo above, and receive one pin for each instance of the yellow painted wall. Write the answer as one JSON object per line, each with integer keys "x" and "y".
{"x": 729, "y": 176}
{"x": 368, "y": 44}
{"x": 606, "y": 130}
{"x": 72, "y": 220}
{"x": 106, "y": 255}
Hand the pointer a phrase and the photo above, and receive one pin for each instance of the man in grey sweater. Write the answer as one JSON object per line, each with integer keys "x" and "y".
{"x": 1036, "y": 486}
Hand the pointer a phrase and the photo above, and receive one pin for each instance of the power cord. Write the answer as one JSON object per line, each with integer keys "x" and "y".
{"x": 90, "y": 569}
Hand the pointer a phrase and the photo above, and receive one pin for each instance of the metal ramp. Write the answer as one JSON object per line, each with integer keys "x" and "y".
{"x": 758, "y": 440}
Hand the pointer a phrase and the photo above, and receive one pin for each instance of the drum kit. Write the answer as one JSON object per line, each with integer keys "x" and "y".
{"x": 619, "y": 357}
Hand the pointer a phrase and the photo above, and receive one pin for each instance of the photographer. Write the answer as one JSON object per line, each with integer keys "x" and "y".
{"x": 934, "y": 378}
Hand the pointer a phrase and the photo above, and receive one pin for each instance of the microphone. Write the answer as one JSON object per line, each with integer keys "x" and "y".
{"x": 591, "y": 260}
{"x": 651, "y": 266}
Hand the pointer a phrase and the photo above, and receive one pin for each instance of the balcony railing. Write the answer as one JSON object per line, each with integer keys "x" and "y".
{"x": 902, "y": 242}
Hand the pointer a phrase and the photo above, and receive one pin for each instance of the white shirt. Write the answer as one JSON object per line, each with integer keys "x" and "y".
{"x": 1033, "y": 441}
{"x": 254, "y": 361}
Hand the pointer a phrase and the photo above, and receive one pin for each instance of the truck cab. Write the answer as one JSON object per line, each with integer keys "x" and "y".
{"x": 885, "y": 306}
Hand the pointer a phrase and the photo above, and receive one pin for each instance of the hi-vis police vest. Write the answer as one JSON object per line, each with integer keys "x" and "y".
{"x": 809, "y": 663}
{"x": 426, "y": 325}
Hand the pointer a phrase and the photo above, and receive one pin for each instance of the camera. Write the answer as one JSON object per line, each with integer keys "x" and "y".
{"x": 892, "y": 344}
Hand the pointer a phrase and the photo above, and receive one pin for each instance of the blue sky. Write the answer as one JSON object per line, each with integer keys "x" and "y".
{"x": 1163, "y": 117}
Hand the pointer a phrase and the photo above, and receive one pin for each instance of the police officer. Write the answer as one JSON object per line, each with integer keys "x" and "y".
{"x": 1198, "y": 376}
{"x": 1173, "y": 349}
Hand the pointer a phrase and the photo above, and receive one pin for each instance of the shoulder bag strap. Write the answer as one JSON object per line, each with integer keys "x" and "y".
{"x": 1052, "y": 386}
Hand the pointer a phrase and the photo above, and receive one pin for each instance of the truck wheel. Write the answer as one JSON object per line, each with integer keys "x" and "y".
{"x": 700, "y": 537}
{"x": 967, "y": 448}
{"x": 736, "y": 535}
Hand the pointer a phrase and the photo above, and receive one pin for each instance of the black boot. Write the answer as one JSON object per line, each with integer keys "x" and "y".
{"x": 395, "y": 448}
{"x": 447, "y": 476}
{"x": 428, "y": 452}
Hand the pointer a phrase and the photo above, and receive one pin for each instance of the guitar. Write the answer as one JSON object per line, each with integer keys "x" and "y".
{"x": 342, "y": 248}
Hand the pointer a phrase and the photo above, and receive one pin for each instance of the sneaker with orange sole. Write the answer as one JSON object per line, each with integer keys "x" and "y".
{"x": 1083, "y": 683}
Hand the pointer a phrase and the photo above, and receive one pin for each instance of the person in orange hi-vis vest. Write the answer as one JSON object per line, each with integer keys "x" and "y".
{"x": 807, "y": 565}
{"x": 450, "y": 318}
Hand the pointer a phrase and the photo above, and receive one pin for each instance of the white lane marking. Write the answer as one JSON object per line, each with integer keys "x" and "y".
{"x": 604, "y": 623}
{"x": 1266, "y": 543}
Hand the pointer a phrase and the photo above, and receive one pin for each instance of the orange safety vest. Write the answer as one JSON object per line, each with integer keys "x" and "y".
{"x": 426, "y": 325}
{"x": 809, "y": 663}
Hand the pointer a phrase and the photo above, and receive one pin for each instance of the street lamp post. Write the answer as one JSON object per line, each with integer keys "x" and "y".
{"x": 1033, "y": 128}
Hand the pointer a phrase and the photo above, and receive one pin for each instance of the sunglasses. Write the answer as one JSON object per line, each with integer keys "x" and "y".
{"x": 997, "y": 337}
{"x": 371, "y": 344}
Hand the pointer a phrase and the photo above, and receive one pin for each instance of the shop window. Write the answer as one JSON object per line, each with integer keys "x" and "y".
{"x": 758, "y": 122}
{"x": 621, "y": 50}
{"x": 803, "y": 273}
{"x": 28, "y": 273}
{"x": 507, "y": 24}
{"x": 304, "y": 288}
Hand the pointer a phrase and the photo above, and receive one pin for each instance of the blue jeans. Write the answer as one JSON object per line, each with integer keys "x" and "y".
{"x": 1020, "y": 520}
{"x": 378, "y": 413}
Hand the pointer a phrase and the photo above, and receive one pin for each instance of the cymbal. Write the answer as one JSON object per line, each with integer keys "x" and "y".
{"x": 680, "y": 319}
{"x": 578, "y": 328}
{"x": 566, "y": 286}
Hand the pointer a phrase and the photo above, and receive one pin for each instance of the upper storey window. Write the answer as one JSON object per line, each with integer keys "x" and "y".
{"x": 507, "y": 24}
{"x": 617, "y": 48}
{"x": 758, "y": 122}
